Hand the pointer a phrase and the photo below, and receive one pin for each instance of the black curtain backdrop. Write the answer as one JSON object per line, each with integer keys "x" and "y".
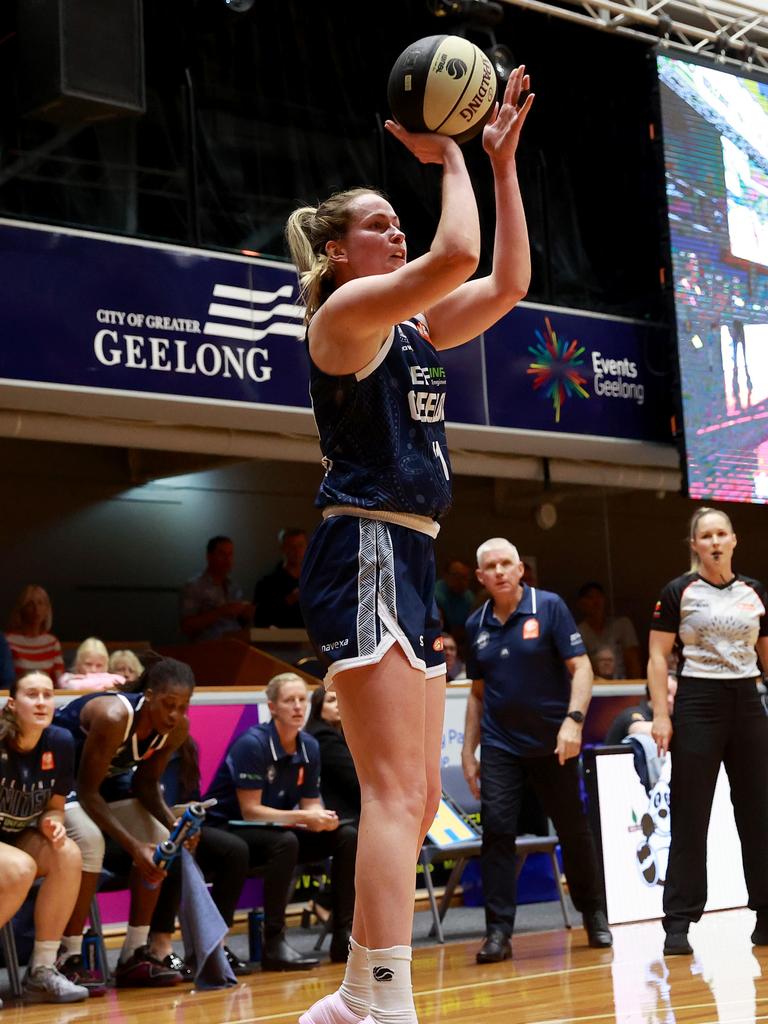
{"x": 250, "y": 114}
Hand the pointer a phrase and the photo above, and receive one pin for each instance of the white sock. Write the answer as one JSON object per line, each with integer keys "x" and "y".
{"x": 44, "y": 954}
{"x": 135, "y": 936}
{"x": 355, "y": 990}
{"x": 73, "y": 944}
{"x": 392, "y": 1001}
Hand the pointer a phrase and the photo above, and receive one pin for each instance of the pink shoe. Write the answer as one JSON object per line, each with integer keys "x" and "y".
{"x": 332, "y": 1010}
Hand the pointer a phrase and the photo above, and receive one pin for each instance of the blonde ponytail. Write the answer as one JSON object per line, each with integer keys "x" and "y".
{"x": 307, "y": 231}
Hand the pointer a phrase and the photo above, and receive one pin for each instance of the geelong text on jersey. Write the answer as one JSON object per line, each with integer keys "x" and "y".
{"x": 135, "y": 352}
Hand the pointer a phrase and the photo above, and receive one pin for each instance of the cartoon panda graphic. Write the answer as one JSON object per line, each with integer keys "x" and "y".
{"x": 656, "y": 825}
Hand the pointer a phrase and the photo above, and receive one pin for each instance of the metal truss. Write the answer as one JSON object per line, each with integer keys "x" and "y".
{"x": 734, "y": 34}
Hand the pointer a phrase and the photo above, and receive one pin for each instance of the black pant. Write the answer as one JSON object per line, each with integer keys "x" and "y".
{"x": 716, "y": 721}
{"x": 223, "y": 859}
{"x": 274, "y": 854}
{"x": 503, "y": 778}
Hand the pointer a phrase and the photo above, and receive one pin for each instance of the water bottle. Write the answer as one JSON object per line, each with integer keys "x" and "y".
{"x": 91, "y": 953}
{"x": 255, "y": 923}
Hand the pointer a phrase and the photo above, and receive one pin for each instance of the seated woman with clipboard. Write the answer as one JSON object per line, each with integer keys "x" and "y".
{"x": 267, "y": 787}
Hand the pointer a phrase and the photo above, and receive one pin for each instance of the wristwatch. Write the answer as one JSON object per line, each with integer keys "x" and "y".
{"x": 577, "y": 716}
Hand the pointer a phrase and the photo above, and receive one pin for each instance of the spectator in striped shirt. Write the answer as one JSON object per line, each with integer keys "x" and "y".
{"x": 33, "y": 646}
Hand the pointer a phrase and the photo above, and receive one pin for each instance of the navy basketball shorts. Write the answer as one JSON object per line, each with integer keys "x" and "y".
{"x": 366, "y": 585}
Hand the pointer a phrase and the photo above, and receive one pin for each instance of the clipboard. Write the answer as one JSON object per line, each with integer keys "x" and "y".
{"x": 450, "y": 827}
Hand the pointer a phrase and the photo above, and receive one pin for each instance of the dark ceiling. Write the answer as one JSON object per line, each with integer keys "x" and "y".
{"x": 249, "y": 114}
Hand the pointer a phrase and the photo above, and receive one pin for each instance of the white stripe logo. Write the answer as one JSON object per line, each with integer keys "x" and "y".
{"x": 261, "y": 310}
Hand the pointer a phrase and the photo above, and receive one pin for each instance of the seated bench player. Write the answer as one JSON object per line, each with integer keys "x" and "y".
{"x": 271, "y": 774}
{"x": 36, "y": 773}
{"x": 113, "y": 733}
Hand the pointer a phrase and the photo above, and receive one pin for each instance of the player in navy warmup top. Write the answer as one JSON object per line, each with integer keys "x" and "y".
{"x": 717, "y": 621}
{"x": 115, "y": 733}
{"x": 376, "y": 324}
{"x": 36, "y": 773}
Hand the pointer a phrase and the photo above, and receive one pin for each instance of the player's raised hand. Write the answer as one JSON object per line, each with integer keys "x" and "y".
{"x": 502, "y": 133}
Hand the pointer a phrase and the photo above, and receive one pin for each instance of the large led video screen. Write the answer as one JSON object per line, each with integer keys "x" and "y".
{"x": 715, "y": 131}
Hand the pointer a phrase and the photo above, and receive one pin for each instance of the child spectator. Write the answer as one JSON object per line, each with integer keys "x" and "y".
{"x": 36, "y": 773}
{"x": 125, "y": 664}
{"x": 91, "y": 669}
{"x": 33, "y": 647}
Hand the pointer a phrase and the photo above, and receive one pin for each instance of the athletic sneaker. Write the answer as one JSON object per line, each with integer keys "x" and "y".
{"x": 332, "y": 1010}
{"x": 142, "y": 970}
{"x": 47, "y": 985}
{"x": 73, "y": 968}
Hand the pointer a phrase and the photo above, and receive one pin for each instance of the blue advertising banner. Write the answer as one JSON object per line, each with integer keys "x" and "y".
{"x": 127, "y": 317}
{"x": 101, "y": 313}
{"x": 561, "y": 371}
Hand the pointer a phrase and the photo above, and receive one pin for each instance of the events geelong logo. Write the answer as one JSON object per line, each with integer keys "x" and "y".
{"x": 555, "y": 368}
{"x": 557, "y": 372}
{"x": 226, "y": 344}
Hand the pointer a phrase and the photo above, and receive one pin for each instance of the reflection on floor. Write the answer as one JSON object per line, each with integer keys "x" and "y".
{"x": 554, "y": 978}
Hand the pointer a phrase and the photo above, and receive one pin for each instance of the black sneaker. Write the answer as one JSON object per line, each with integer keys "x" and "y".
{"x": 73, "y": 968}
{"x": 598, "y": 933}
{"x": 495, "y": 948}
{"x": 175, "y": 963}
{"x": 677, "y": 944}
{"x": 142, "y": 970}
{"x": 239, "y": 967}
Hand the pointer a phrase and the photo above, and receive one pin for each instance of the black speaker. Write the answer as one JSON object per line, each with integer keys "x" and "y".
{"x": 80, "y": 60}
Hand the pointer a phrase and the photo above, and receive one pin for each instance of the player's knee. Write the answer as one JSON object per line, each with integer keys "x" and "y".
{"x": 18, "y": 870}
{"x": 69, "y": 857}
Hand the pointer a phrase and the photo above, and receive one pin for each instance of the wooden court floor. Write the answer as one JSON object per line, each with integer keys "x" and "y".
{"x": 554, "y": 979}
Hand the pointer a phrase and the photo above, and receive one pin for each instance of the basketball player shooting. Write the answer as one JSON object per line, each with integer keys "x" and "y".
{"x": 376, "y": 325}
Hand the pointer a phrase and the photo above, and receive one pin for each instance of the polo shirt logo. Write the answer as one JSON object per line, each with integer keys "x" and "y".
{"x": 271, "y": 773}
{"x": 46, "y": 761}
{"x": 504, "y": 652}
{"x": 482, "y": 640}
{"x": 531, "y": 629}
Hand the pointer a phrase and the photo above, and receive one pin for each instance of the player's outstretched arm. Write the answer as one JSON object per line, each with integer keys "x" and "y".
{"x": 477, "y": 305}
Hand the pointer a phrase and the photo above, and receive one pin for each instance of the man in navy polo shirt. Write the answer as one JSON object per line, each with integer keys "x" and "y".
{"x": 532, "y": 683}
{"x": 271, "y": 776}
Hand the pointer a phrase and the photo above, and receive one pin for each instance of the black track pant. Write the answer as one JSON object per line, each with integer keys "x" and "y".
{"x": 504, "y": 777}
{"x": 716, "y": 721}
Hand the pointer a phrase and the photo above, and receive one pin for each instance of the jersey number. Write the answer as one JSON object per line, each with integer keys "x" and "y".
{"x": 439, "y": 455}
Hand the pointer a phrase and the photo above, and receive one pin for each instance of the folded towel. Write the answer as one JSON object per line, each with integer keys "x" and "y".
{"x": 203, "y": 928}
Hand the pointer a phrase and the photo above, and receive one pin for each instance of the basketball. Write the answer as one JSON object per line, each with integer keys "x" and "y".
{"x": 442, "y": 84}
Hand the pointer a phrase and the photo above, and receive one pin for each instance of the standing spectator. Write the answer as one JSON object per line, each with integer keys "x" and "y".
{"x": 212, "y": 604}
{"x": 718, "y": 621}
{"x": 125, "y": 664}
{"x": 276, "y": 595}
{"x": 37, "y": 773}
{"x": 33, "y": 646}
{"x": 598, "y": 629}
{"x": 532, "y": 684}
{"x": 91, "y": 669}
{"x": 7, "y": 670}
{"x": 454, "y": 666}
{"x": 271, "y": 773}
{"x": 454, "y": 597}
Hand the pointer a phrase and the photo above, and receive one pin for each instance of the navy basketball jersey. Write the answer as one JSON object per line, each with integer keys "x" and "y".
{"x": 29, "y": 778}
{"x": 131, "y": 751}
{"x": 382, "y": 430}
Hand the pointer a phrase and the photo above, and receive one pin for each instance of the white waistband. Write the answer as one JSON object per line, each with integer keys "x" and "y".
{"x": 422, "y": 524}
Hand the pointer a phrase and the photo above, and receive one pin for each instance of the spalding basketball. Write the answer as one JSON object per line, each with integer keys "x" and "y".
{"x": 442, "y": 84}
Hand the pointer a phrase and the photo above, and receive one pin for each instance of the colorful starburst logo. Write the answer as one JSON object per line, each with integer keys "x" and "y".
{"x": 554, "y": 368}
